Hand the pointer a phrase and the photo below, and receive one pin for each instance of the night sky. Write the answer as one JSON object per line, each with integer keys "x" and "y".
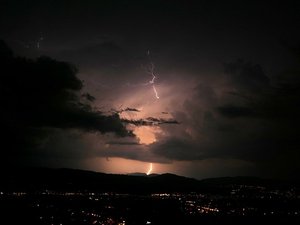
{"x": 78, "y": 83}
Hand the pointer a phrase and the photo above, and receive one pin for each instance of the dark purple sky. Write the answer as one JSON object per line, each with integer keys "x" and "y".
{"x": 227, "y": 71}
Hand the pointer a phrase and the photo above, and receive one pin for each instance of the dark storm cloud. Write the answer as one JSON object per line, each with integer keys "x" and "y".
{"x": 259, "y": 97}
{"x": 177, "y": 149}
{"x": 247, "y": 77}
{"x": 107, "y": 53}
{"x": 235, "y": 111}
{"x": 127, "y": 110}
{"x": 253, "y": 120}
{"x": 88, "y": 97}
{"x": 45, "y": 93}
{"x": 122, "y": 143}
{"x": 150, "y": 121}
{"x": 131, "y": 110}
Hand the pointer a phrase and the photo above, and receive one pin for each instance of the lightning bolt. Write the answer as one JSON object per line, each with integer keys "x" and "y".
{"x": 40, "y": 39}
{"x": 150, "y": 169}
{"x": 155, "y": 91}
{"x": 150, "y": 70}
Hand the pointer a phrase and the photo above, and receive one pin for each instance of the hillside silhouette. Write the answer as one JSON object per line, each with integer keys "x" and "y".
{"x": 33, "y": 179}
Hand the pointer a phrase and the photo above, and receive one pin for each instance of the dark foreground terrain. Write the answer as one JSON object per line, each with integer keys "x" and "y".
{"x": 45, "y": 196}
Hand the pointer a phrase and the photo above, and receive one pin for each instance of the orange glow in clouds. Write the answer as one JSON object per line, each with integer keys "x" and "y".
{"x": 146, "y": 136}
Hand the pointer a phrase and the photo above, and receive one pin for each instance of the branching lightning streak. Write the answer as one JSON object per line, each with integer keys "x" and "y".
{"x": 155, "y": 91}
{"x": 150, "y": 169}
{"x": 41, "y": 38}
{"x": 152, "y": 81}
{"x": 151, "y": 71}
